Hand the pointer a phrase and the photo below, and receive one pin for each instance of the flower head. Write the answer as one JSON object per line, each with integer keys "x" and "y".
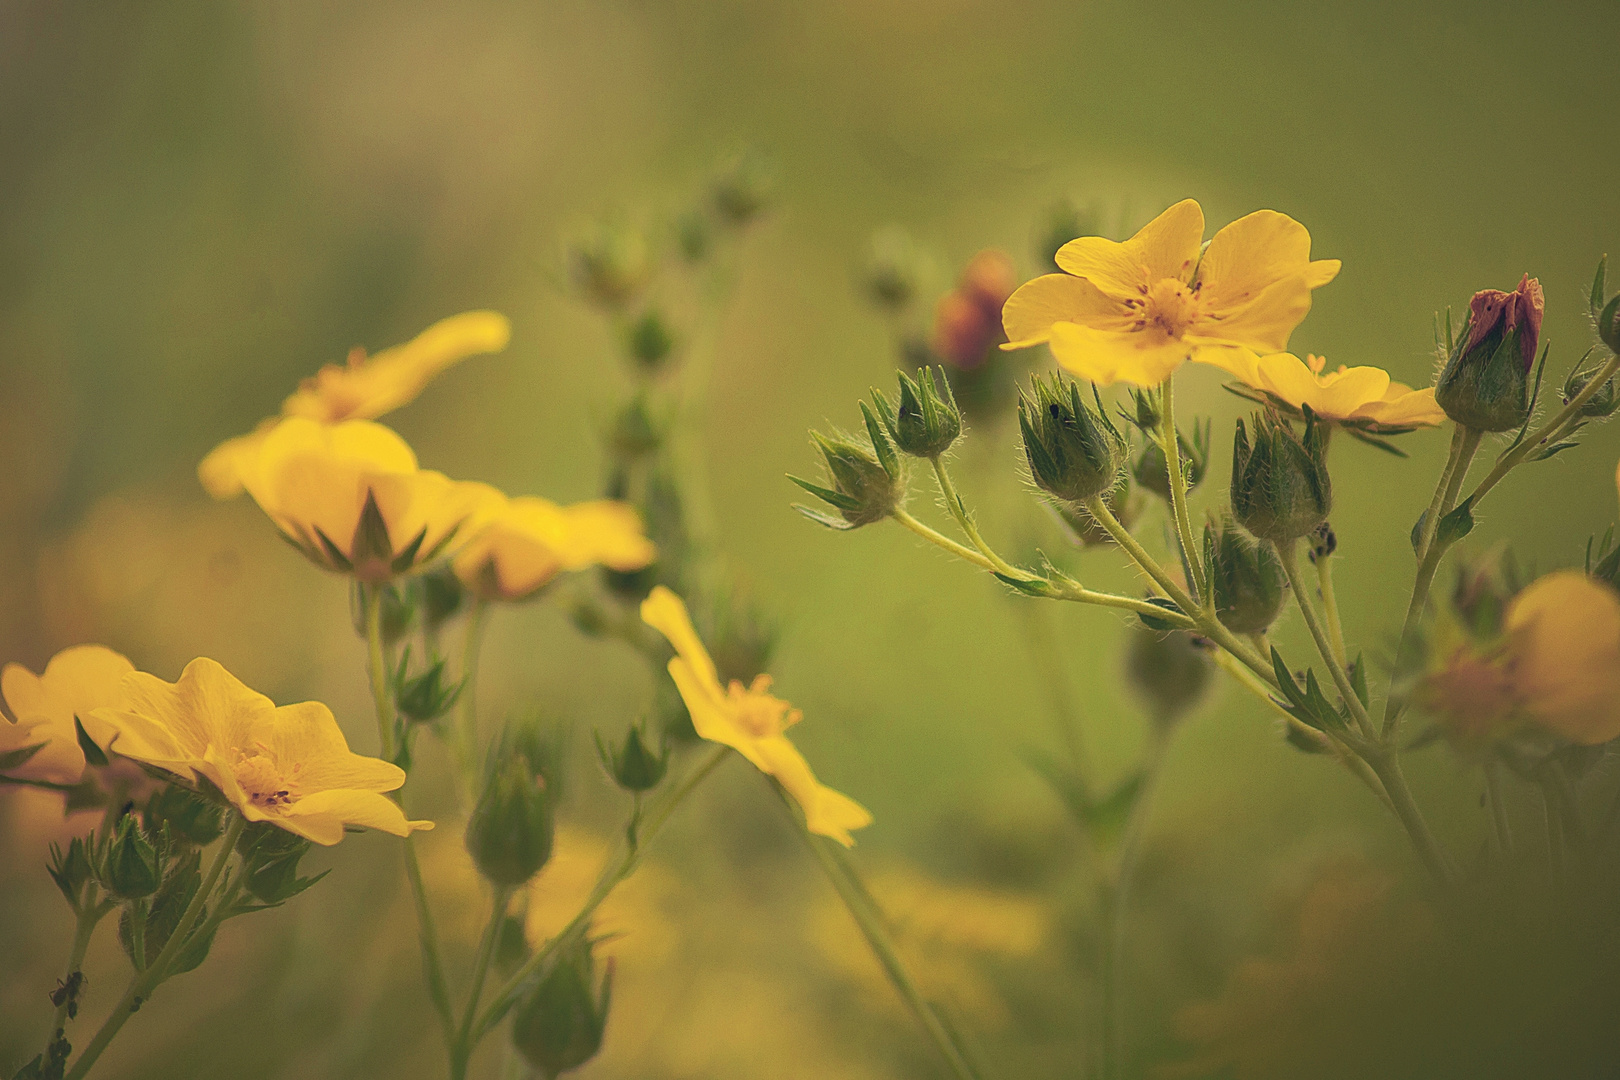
{"x": 1362, "y": 398}
{"x": 1135, "y": 311}
{"x": 289, "y": 766}
{"x": 517, "y": 546}
{"x": 966, "y": 322}
{"x": 76, "y": 681}
{"x": 351, "y": 498}
{"x": 749, "y": 720}
{"x": 363, "y": 389}
{"x": 1485, "y": 383}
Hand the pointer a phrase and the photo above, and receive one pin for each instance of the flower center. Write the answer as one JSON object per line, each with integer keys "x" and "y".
{"x": 1168, "y": 305}
{"x": 756, "y": 711}
{"x": 262, "y": 781}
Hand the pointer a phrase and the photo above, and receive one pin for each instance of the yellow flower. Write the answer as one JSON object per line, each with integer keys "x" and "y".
{"x": 1362, "y": 397}
{"x": 363, "y": 389}
{"x": 76, "y": 681}
{"x": 351, "y": 497}
{"x": 749, "y": 720}
{"x": 517, "y": 546}
{"x": 289, "y": 766}
{"x": 1135, "y": 311}
{"x": 1556, "y": 665}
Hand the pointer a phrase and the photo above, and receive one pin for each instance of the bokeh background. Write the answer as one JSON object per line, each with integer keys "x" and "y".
{"x": 201, "y": 204}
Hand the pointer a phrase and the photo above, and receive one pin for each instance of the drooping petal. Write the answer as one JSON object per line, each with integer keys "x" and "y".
{"x": 1166, "y": 247}
{"x": 1145, "y": 358}
{"x": 666, "y": 613}
{"x": 826, "y": 812}
{"x": 1262, "y": 323}
{"x": 1255, "y": 252}
{"x": 1565, "y": 632}
{"x": 1032, "y": 310}
{"x": 321, "y": 816}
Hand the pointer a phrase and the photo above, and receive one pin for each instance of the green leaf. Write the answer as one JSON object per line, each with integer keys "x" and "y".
{"x": 1067, "y": 785}
{"x": 1358, "y": 679}
{"x": 823, "y": 519}
{"x": 1455, "y": 525}
{"x": 1598, "y": 285}
{"x": 880, "y": 443}
{"x": 1106, "y": 818}
{"x": 836, "y": 499}
{"x": 1027, "y": 586}
{"x": 1154, "y": 623}
{"x": 1370, "y": 440}
{"x": 1555, "y": 448}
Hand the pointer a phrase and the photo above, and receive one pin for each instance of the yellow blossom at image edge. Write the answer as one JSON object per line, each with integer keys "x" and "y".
{"x": 75, "y": 682}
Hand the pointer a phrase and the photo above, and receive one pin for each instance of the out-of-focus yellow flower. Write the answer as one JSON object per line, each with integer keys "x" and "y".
{"x": 945, "y": 932}
{"x": 635, "y": 911}
{"x": 517, "y": 546}
{"x": 1362, "y": 397}
{"x": 351, "y": 497}
{"x": 76, "y": 681}
{"x": 363, "y": 389}
{"x": 749, "y": 720}
{"x": 1556, "y": 665}
{"x": 1135, "y": 311}
{"x": 290, "y": 766}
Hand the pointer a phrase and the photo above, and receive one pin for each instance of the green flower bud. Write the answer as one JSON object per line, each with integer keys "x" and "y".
{"x": 188, "y": 816}
{"x": 743, "y": 188}
{"x": 1168, "y": 670}
{"x": 636, "y": 433}
{"x": 560, "y": 1025}
{"x": 1485, "y": 383}
{"x": 510, "y": 831}
{"x": 1486, "y": 583}
{"x": 1281, "y": 489}
{"x": 650, "y": 340}
{"x": 1602, "y": 403}
{"x": 71, "y": 869}
{"x": 1083, "y": 529}
{"x": 426, "y": 695}
{"x": 270, "y": 857}
{"x": 1074, "y": 452}
{"x": 1248, "y": 579}
{"x": 867, "y": 485}
{"x": 1152, "y": 472}
{"x": 398, "y": 608}
{"x": 440, "y": 595}
{"x": 129, "y": 867}
{"x": 927, "y": 421}
{"x": 1064, "y": 222}
{"x": 693, "y": 236}
{"x": 741, "y": 638}
{"x": 610, "y": 264}
{"x": 631, "y": 763}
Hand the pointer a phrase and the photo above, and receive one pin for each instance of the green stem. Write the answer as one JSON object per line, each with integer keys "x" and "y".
{"x": 1207, "y": 624}
{"x": 461, "y": 1052}
{"x": 465, "y": 738}
{"x": 377, "y": 668}
{"x": 1431, "y": 519}
{"x": 1387, "y": 765}
{"x": 137, "y": 934}
{"x": 1286, "y": 553}
{"x": 88, "y": 914}
{"x": 538, "y": 966}
{"x": 1330, "y": 608}
{"x": 1118, "y": 897}
{"x": 870, "y": 920}
{"x": 142, "y": 984}
{"x": 1499, "y": 818}
{"x": 1171, "y": 445}
{"x": 1464, "y": 447}
{"x": 940, "y": 540}
{"x": 953, "y": 503}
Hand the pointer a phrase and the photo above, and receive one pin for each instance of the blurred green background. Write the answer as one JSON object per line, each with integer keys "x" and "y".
{"x": 204, "y": 203}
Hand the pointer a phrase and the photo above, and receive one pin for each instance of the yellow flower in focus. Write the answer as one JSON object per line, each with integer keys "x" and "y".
{"x": 363, "y": 389}
{"x": 76, "y": 681}
{"x": 1365, "y": 398}
{"x": 351, "y": 497}
{"x": 1556, "y": 665}
{"x": 517, "y": 546}
{"x": 290, "y": 766}
{"x": 749, "y": 720}
{"x": 1135, "y": 311}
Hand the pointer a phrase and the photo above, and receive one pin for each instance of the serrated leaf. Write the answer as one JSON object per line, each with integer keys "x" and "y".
{"x": 1455, "y": 525}
{"x": 823, "y": 519}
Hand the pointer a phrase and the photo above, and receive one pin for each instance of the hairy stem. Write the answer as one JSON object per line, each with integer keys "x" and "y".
{"x": 1171, "y": 445}
{"x": 1330, "y": 608}
{"x": 1286, "y": 553}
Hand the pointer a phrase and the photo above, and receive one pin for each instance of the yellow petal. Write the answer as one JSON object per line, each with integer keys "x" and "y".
{"x": 826, "y": 812}
{"x": 712, "y": 717}
{"x": 606, "y": 532}
{"x": 306, "y": 743}
{"x": 1565, "y": 632}
{"x": 1336, "y": 395}
{"x": 76, "y": 682}
{"x": 1243, "y": 364}
{"x": 1404, "y": 407}
{"x": 321, "y": 817}
{"x": 225, "y": 470}
{"x": 666, "y": 613}
{"x": 1036, "y": 305}
{"x": 1253, "y": 253}
{"x": 1143, "y": 357}
{"x": 1166, "y": 247}
{"x": 1262, "y": 323}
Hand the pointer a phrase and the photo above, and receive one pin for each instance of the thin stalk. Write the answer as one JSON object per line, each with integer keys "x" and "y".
{"x": 1431, "y": 519}
{"x": 941, "y": 540}
{"x": 1130, "y": 846}
{"x": 1499, "y": 818}
{"x": 137, "y": 935}
{"x": 141, "y": 985}
{"x": 1206, "y": 622}
{"x": 461, "y": 1052}
{"x": 377, "y": 668}
{"x": 1330, "y": 608}
{"x": 88, "y": 914}
{"x": 1171, "y": 445}
{"x": 953, "y": 503}
{"x": 870, "y": 921}
{"x": 538, "y": 966}
{"x": 1286, "y": 553}
{"x": 1387, "y": 765}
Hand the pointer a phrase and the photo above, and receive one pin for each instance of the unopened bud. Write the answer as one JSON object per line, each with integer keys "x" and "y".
{"x": 270, "y": 858}
{"x": 637, "y": 432}
{"x": 1281, "y": 489}
{"x": 1485, "y": 584}
{"x": 440, "y": 595}
{"x": 70, "y": 868}
{"x": 398, "y": 610}
{"x": 866, "y": 484}
{"x": 1485, "y": 383}
{"x": 510, "y": 831}
{"x": 1608, "y": 324}
{"x": 926, "y": 422}
{"x": 560, "y": 1025}
{"x": 741, "y": 637}
{"x": 129, "y": 868}
{"x": 163, "y": 914}
{"x": 892, "y": 269}
{"x": 188, "y": 816}
{"x": 1247, "y": 577}
{"x": 1151, "y": 471}
{"x": 1064, "y": 222}
{"x": 631, "y": 763}
{"x": 610, "y": 264}
{"x": 1168, "y": 670}
{"x": 427, "y": 695}
{"x": 742, "y": 189}
{"x": 650, "y": 340}
{"x": 1074, "y": 452}
{"x": 1604, "y": 400}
